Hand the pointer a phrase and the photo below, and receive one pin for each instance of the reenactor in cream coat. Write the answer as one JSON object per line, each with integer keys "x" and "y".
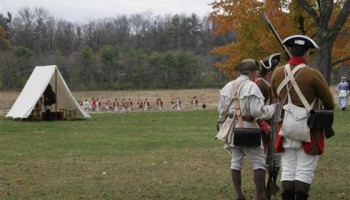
{"x": 253, "y": 108}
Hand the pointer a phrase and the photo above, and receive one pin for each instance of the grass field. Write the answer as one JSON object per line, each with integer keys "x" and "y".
{"x": 141, "y": 155}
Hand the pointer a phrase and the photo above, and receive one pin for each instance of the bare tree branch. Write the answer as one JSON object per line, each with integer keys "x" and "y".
{"x": 327, "y": 8}
{"x": 342, "y": 17}
{"x": 340, "y": 61}
{"x": 308, "y": 8}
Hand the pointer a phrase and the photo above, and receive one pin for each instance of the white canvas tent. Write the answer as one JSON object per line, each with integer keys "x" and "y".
{"x": 34, "y": 89}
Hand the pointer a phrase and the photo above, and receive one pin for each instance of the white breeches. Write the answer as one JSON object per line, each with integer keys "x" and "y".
{"x": 297, "y": 165}
{"x": 255, "y": 155}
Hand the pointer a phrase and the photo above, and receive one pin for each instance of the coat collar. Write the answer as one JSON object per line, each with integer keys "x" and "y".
{"x": 296, "y": 60}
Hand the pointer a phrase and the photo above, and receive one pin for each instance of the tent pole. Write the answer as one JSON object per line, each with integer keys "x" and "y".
{"x": 56, "y": 92}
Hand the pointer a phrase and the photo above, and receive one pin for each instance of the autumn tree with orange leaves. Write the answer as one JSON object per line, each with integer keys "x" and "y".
{"x": 326, "y": 21}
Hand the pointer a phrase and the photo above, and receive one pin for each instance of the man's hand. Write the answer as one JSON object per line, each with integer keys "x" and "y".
{"x": 265, "y": 127}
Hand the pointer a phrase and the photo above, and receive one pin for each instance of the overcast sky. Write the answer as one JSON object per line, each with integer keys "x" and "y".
{"x": 82, "y": 10}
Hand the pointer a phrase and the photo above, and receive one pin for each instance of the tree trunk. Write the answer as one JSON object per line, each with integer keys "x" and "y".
{"x": 324, "y": 60}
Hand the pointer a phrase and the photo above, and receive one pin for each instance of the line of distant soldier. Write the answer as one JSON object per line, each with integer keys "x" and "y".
{"x": 124, "y": 105}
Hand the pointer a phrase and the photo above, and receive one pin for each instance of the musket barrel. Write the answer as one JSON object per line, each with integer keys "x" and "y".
{"x": 271, "y": 150}
{"x": 270, "y": 25}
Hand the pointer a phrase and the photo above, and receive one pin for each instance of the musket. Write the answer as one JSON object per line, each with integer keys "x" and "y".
{"x": 287, "y": 54}
{"x": 271, "y": 184}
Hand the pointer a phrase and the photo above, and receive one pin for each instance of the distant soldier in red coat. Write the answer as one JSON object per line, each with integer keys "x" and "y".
{"x": 108, "y": 105}
{"x": 194, "y": 102}
{"x": 146, "y": 105}
{"x": 173, "y": 103}
{"x": 178, "y": 103}
{"x": 139, "y": 104}
{"x": 124, "y": 105}
{"x": 116, "y": 105}
{"x": 98, "y": 105}
{"x": 93, "y": 104}
{"x": 159, "y": 104}
{"x": 129, "y": 104}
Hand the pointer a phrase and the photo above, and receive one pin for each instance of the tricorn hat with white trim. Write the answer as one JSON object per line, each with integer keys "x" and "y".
{"x": 271, "y": 61}
{"x": 300, "y": 40}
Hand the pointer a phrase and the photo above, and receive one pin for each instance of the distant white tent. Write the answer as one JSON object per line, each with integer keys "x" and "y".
{"x": 34, "y": 89}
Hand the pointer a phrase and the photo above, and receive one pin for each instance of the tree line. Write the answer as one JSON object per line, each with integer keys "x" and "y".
{"x": 140, "y": 51}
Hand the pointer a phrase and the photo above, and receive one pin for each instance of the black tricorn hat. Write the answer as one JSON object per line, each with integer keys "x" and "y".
{"x": 271, "y": 61}
{"x": 247, "y": 64}
{"x": 300, "y": 40}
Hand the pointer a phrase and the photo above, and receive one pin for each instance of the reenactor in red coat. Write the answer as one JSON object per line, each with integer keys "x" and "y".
{"x": 93, "y": 104}
{"x": 173, "y": 103}
{"x": 140, "y": 104}
{"x": 300, "y": 158}
{"x": 129, "y": 104}
{"x": 268, "y": 65}
{"x": 159, "y": 104}
{"x": 194, "y": 102}
{"x": 178, "y": 103}
{"x": 146, "y": 104}
{"x": 124, "y": 105}
{"x": 115, "y": 105}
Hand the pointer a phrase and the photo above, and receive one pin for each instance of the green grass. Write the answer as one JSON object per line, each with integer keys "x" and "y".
{"x": 146, "y": 155}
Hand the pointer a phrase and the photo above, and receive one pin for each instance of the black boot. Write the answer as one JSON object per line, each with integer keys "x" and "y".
{"x": 288, "y": 195}
{"x": 301, "y": 196}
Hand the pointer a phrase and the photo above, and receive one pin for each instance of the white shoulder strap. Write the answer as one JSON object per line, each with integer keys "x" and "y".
{"x": 236, "y": 97}
{"x": 297, "y": 89}
{"x": 268, "y": 102}
{"x": 238, "y": 112}
{"x": 286, "y": 79}
{"x": 265, "y": 81}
